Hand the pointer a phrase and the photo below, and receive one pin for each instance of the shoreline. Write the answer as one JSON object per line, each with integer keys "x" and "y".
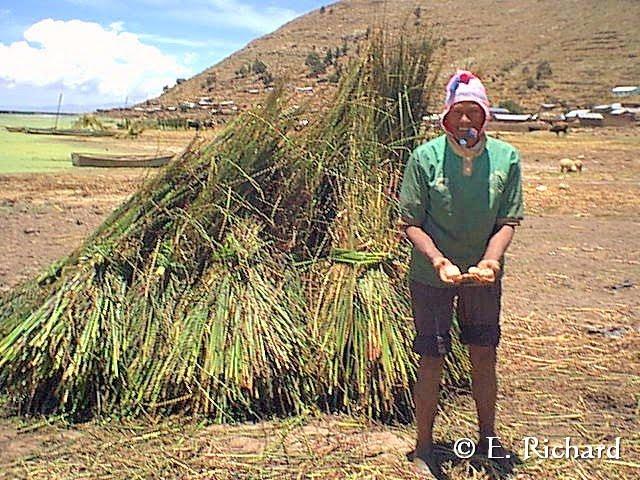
{"x": 33, "y": 112}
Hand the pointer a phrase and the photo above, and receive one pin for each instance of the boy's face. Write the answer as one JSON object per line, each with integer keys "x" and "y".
{"x": 463, "y": 116}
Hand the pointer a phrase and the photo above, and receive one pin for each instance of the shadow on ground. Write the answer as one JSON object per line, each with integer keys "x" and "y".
{"x": 445, "y": 458}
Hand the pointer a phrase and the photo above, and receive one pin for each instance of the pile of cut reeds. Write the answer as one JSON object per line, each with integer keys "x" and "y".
{"x": 259, "y": 274}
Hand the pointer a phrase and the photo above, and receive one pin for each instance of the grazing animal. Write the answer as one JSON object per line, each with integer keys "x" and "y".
{"x": 568, "y": 165}
{"x": 559, "y": 127}
{"x": 537, "y": 126}
{"x": 197, "y": 124}
{"x": 578, "y": 164}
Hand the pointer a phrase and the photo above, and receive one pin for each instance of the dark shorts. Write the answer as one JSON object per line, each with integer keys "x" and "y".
{"x": 477, "y": 308}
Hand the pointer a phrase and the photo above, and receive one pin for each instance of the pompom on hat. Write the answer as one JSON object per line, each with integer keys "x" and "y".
{"x": 464, "y": 86}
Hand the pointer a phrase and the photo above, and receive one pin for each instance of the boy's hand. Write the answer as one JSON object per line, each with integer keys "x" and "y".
{"x": 486, "y": 271}
{"x": 447, "y": 271}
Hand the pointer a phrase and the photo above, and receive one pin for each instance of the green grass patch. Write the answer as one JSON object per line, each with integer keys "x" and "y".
{"x": 21, "y": 153}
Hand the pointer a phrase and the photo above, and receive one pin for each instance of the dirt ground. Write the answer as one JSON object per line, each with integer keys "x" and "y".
{"x": 52, "y": 213}
{"x": 569, "y": 358}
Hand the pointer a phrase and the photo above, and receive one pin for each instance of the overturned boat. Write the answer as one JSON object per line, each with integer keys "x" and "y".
{"x": 15, "y": 129}
{"x": 119, "y": 160}
{"x": 70, "y": 132}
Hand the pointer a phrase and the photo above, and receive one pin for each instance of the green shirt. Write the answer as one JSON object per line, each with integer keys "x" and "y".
{"x": 459, "y": 212}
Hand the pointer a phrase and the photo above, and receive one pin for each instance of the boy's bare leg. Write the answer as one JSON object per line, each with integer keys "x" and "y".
{"x": 485, "y": 389}
{"x": 426, "y": 393}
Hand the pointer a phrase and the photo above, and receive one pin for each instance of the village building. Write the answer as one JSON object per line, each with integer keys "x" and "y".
{"x": 509, "y": 122}
{"x": 512, "y": 117}
{"x": 619, "y": 117}
{"x": 625, "y": 91}
{"x": 498, "y": 110}
{"x": 591, "y": 119}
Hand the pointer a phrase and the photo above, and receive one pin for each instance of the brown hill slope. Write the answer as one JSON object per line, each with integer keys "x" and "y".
{"x": 528, "y": 51}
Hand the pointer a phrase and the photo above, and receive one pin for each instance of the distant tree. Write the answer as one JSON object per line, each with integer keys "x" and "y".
{"x": 543, "y": 70}
{"x": 266, "y": 78}
{"x": 315, "y": 64}
{"x": 509, "y": 66}
{"x": 322, "y": 9}
{"x": 417, "y": 12}
{"x": 328, "y": 58}
{"x": 242, "y": 71}
{"x": 531, "y": 83}
{"x": 334, "y": 77}
{"x": 209, "y": 81}
{"x": 258, "y": 67}
{"x": 510, "y": 105}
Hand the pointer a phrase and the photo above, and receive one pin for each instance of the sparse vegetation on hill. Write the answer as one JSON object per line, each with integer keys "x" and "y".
{"x": 543, "y": 70}
{"x": 510, "y": 105}
{"x": 315, "y": 64}
{"x": 575, "y": 56}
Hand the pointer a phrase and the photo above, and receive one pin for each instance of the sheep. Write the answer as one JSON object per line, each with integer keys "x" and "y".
{"x": 578, "y": 164}
{"x": 568, "y": 165}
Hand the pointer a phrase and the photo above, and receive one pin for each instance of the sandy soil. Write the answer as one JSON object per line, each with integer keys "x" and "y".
{"x": 46, "y": 216}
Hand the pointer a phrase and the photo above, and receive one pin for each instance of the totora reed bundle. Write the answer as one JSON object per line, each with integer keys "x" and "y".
{"x": 259, "y": 274}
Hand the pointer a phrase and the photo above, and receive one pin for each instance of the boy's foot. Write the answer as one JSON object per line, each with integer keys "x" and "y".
{"x": 426, "y": 463}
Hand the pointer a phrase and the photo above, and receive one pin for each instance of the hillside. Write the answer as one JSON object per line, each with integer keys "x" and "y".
{"x": 528, "y": 51}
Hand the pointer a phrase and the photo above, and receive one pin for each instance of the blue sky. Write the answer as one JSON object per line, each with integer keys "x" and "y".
{"x": 99, "y": 52}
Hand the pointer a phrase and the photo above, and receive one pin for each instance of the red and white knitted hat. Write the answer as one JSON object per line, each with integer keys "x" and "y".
{"x": 464, "y": 86}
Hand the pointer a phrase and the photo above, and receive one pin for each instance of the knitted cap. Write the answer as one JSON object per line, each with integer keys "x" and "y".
{"x": 464, "y": 86}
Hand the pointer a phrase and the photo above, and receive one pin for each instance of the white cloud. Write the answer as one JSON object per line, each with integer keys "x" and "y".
{"x": 85, "y": 57}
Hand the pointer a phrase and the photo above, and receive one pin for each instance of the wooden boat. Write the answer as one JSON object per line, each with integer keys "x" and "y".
{"x": 70, "y": 131}
{"x": 103, "y": 160}
{"x": 15, "y": 129}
